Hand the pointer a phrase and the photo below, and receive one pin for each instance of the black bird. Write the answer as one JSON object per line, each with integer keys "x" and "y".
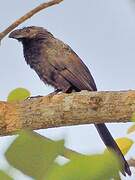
{"x": 59, "y": 66}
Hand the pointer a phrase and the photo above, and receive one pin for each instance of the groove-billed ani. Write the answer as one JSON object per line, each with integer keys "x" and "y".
{"x": 58, "y": 65}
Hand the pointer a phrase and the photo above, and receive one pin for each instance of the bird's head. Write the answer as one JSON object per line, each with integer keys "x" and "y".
{"x": 32, "y": 32}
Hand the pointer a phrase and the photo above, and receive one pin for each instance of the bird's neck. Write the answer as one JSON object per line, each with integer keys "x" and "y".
{"x": 32, "y": 49}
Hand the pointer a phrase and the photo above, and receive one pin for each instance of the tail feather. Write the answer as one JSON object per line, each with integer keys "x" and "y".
{"x": 110, "y": 143}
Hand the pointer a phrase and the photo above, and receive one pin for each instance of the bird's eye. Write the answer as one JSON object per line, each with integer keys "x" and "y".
{"x": 27, "y": 30}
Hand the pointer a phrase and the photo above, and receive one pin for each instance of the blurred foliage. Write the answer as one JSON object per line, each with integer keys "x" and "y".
{"x": 32, "y": 154}
{"x": 131, "y": 129}
{"x": 93, "y": 167}
{"x": 124, "y": 144}
{"x": 133, "y": 117}
{"x": 18, "y": 94}
{"x": 4, "y": 176}
{"x": 36, "y": 156}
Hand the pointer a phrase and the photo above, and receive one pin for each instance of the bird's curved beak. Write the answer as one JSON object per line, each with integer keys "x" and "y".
{"x": 16, "y": 35}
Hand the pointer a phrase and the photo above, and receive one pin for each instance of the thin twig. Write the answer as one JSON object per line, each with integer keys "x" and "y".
{"x": 27, "y": 16}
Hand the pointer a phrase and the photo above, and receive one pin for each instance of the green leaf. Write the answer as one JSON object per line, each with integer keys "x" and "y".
{"x": 4, "y": 176}
{"x": 94, "y": 167}
{"x": 131, "y": 129}
{"x": 33, "y": 154}
{"x": 133, "y": 117}
{"x": 124, "y": 144}
{"x": 18, "y": 94}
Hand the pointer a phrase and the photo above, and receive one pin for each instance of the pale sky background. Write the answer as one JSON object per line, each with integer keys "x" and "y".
{"x": 102, "y": 33}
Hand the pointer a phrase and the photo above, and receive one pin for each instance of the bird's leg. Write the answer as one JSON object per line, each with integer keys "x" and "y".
{"x": 50, "y": 94}
{"x": 32, "y": 97}
{"x": 54, "y": 93}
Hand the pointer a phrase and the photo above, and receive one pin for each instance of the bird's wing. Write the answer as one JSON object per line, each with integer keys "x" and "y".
{"x": 72, "y": 68}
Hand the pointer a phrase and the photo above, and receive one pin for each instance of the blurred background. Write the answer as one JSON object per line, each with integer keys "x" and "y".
{"x": 102, "y": 33}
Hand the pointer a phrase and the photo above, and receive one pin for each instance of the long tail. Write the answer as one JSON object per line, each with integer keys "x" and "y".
{"x": 110, "y": 143}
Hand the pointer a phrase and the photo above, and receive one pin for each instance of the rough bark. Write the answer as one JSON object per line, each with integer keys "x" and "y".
{"x": 66, "y": 109}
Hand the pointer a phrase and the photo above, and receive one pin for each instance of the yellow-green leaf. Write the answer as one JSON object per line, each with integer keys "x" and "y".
{"x": 131, "y": 129}
{"x": 18, "y": 94}
{"x": 33, "y": 154}
{"x": 124, "y": 144}
{"x": 133, "y": 117}
{"x": 4, "y": 176}
{"x": 83, "y": 167}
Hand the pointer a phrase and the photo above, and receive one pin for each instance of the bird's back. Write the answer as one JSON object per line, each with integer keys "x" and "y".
{"x": 58, "y": 65}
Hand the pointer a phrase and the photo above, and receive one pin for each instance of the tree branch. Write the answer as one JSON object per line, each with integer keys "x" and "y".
{"x": 67, "y": 109}
{"x": 27, "y": 16}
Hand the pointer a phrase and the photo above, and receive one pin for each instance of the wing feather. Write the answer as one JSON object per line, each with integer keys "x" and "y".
{"x": 72, "y": 68}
